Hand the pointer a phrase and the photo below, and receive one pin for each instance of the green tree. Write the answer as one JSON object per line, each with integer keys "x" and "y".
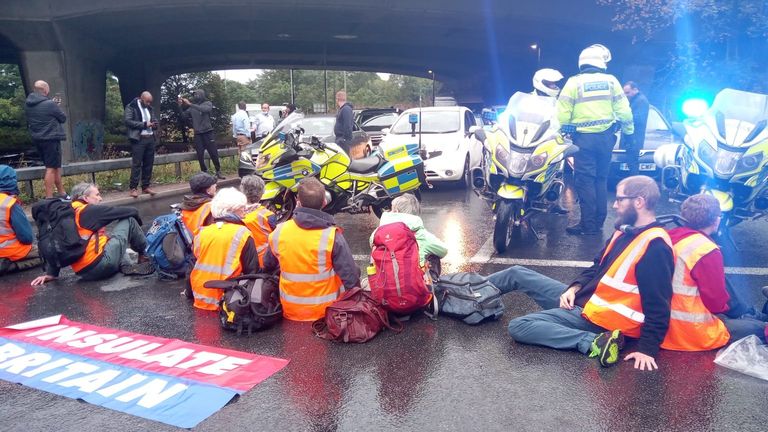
{"x": 113, "y": 121}
{"x": 175, "y": 125}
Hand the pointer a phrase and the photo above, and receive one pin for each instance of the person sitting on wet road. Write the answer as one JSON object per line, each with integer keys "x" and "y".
{"x": 626, "y": 292}
{"x": 406, "y": 209}
{"x": 259, "y": 219}
{"x": 17, "y": 251}
{"x": 196, "y": 208}
{"x": 315, "y": 261}
{"x": 105, "y": 250}
{"x": 224, "y": 249}
{"x": 699, "y": 286}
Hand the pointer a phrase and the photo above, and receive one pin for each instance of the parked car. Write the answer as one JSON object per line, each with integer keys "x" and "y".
{"x": 449, "y": 149}
{"x": 657, "y": 132}
{"x": 374, "y": 127}
{"x": 320, "y": 126}
{"x": 365, "y": 114}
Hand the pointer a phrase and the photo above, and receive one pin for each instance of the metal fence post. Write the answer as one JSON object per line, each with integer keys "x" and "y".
{"x": 178, "y": 170}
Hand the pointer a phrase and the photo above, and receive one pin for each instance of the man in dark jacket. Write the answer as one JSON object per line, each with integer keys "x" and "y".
{"x": 639, "y": 105}
{"x": 199, "y": 111}
{"x": 16, "y": 237}
{"x": 610, "y": 285}
{"x": 344, "y": 121}
{"x": 141, "y": 124}
{"x": 44, "y": 119}
{"x": 105, "y": 260}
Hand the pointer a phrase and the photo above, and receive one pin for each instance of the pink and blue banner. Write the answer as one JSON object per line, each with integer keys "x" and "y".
{"x": 160, "y": 379}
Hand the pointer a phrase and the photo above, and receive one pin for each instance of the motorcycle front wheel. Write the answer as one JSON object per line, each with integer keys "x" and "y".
{"x": 502, "y": 229}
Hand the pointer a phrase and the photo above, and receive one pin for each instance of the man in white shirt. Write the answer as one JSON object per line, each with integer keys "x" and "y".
{"x": 263, "y": 123}
{"x": 241, "y": 126}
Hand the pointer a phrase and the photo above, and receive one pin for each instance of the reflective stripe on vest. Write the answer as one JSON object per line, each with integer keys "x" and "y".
{"x": 10, "y": 247}
{"x": 95, "y": 247}
{"x": 616, "y": 303}
{"x": 218, "y": 248}
{"x": 194, "y": 219}
{"x": 258, "y": 222}
{"x": 308, "y": 283}
{"x": 692, "y": 327}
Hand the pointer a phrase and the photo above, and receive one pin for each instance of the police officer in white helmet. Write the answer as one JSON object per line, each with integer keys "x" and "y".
{"x": 546, "y": 82}
{"x": 591, "y": 107}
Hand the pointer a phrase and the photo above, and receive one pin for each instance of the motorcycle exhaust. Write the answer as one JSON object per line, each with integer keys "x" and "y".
{"x": 478, "y": 178}
{"x": 328, "y": 198}
{"x": 670, "y": 177}
{"x": 554, "y": 191}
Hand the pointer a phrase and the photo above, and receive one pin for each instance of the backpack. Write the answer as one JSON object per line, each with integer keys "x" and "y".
{"x": 398, "y": 282}
{"x": 354, "y": 317}
{"x": 169, "y": 246}
{"x": 250, "y": 302}
{"x": 469, "y": 297}
{"x": 58, "y": 240}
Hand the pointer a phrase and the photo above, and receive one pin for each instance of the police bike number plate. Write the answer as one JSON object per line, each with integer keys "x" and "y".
{"x": 643, "y": 167}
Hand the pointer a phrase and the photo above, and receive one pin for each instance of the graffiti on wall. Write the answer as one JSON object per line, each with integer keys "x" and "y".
{"x": 88, "y": 140}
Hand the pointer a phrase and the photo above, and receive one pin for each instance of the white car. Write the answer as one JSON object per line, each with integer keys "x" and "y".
{"x": 444, "y": 136}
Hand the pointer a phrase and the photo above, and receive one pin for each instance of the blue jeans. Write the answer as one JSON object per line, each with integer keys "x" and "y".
{"x": 553, "y": 327}
{"x": 742, "y": 327}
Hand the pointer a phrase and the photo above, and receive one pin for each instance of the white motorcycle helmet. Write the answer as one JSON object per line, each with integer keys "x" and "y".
{"x": 595, "y": 55}
{"x": 545, "y": 82}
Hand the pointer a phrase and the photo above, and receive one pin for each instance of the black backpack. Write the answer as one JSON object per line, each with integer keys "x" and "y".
{"x": 251, "y": 302}
{"x": 58, "y": 240}
{"x": 469, "y": 297}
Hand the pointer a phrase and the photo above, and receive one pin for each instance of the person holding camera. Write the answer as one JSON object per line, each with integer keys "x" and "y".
{"x": 141, "y": 134}
{"x": 198, "y": 110}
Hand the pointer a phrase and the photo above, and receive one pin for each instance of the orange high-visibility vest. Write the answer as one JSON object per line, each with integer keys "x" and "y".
{"x": 194, "y": 219}
{"x": 258, "y": 222}
{"x": 10, "y": 247}
{"x": 308, "y": 283}
{"x": 96, "y": 240}
{"x": 692, "y": 327}
{"x": 217, "y": 248}
{"x": 616, "y": 305}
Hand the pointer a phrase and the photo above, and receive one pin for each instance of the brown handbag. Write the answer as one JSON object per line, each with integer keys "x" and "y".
{"x": 354, "y": 317}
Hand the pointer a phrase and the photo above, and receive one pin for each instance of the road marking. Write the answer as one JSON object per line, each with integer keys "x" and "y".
{"x": 485, "y": 253}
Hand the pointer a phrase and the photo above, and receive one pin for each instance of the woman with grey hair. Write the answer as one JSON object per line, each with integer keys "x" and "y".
{"x": 259, "y": 219}
{"x": 224, "y": 249}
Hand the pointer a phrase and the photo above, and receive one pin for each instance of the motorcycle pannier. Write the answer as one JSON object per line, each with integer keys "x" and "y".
{"x": 402, "y": 174}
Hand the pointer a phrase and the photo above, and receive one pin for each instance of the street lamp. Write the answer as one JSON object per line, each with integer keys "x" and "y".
{"x": 537, "y": 48}
{"x": 431, "y": 72}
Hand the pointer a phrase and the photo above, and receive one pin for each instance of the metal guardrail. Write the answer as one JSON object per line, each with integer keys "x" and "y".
{"x": 27, "y": 175}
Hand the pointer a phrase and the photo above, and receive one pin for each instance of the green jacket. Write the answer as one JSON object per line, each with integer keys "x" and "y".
{"x": 428, "y": 243}
{"x": 592, "y": 102}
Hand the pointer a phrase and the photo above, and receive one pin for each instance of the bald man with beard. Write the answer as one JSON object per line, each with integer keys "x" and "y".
{"x": 141, "y": 124}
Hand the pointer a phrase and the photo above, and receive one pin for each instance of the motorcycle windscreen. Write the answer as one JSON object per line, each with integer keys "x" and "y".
{"x": 739, "y": 117}
{"x": 532, "y": 117}
{"x": 402, "y": 175}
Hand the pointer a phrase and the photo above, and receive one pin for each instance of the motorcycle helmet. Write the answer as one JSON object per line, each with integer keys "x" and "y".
{"x": 595, "y": 55}
{"x": 545, "y": 82}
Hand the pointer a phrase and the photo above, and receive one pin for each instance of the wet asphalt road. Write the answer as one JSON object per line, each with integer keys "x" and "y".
{"x": 440, "y": 375}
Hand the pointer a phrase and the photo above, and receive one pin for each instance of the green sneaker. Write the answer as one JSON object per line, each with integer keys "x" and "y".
{"x": 606, "y": 347}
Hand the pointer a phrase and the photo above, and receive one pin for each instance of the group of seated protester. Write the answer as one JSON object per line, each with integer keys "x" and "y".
{"x": 665, "y": 288}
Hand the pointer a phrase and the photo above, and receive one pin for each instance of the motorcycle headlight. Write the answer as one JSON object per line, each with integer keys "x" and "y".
{"x": 502, "y": 155}
{"x": 707, "y": 153}
{"x": 518, "y": 164}
{"x": 749, "y": 163}
{"x": 538, "y": 161}
{"x": 726, "y": 162}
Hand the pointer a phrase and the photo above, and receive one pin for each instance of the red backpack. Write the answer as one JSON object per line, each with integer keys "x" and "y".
{"x": 398, "y": 283}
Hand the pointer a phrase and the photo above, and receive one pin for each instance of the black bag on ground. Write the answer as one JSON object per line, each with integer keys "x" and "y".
{"x": 251, "y": 302}
{"x": 58, "y": 240}
{"x": 469, "y": 297}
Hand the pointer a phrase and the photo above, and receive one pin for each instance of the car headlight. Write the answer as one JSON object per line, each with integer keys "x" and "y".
{"x": 707, "y": 154}
{"x": 726, "y": 162}
{"x": 502, "y": 155}
{"x": 749, "y": 163}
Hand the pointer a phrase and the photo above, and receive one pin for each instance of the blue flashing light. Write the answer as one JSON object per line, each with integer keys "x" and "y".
{"x": 695, "y": 107}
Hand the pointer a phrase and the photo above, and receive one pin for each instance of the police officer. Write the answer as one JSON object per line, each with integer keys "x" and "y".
{"x": 589, "y": 108}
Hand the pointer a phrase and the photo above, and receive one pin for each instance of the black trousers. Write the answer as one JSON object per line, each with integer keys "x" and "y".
{"x": 204, "y": 141}
{"x": 591, "y": 166}
{"x": 632, "y": 154}
{"x": 142, "y": 161}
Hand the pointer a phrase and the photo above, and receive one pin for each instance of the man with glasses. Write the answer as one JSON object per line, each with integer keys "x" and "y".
{"x": 263, "y": 123}
{"x": 626, "y": 292}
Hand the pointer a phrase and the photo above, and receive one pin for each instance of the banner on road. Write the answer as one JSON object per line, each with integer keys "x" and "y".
{"x": 166, "y": 380}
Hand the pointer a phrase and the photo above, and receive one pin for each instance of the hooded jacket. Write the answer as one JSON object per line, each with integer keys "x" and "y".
{"x": 194, "y": 201}
{"x": 44, "y": 118}
{"x": 19, "y": 222}
{"x": 200, "y": 113}
{"x": 343, "y": 262}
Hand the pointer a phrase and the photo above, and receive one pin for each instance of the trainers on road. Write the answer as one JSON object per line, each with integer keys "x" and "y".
{"x": 134, "y": 193}
{"x": 606, "y": 347}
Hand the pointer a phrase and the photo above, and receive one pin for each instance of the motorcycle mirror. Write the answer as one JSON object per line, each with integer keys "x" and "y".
{"x": 479, "y": 134}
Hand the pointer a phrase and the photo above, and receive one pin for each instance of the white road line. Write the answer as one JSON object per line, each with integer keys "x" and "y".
{"x": 484, "y": 254}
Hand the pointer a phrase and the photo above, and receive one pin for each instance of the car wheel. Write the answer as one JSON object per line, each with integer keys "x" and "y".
{"x": 466, "y": 177}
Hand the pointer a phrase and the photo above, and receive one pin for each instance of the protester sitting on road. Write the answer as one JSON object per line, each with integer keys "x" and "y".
{"x": 626, "y": 292}
{"x": 196, "y": 208}
{"x": 699, "y": 288}
{"x": 406, "y": 209}
{"x": 315, "y": 261}
{"x": 223, "y": 250}
{"x": 105, "y": 250}
{"x": 17, "y": 251}
{"x": 259, "y": 219}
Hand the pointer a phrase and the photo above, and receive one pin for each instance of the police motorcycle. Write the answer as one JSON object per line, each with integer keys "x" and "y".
{"x": 522, "y": 165}
{"x": 725, "y": 153}
{"x": 351, "y": 186}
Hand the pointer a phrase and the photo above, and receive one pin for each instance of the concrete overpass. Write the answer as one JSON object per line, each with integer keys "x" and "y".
{"x": 481, "y": 50}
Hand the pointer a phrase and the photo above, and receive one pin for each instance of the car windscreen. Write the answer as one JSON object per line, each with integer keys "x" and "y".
{"x": 435, "y": 122}
{"x": 381, "y": 121}
{"x": 318, "y": 126}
